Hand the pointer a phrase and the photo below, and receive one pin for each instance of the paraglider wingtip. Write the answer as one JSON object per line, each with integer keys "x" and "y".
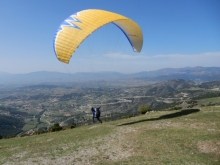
{"x": 135, "y": 50}
{"x": 64, "y": 61}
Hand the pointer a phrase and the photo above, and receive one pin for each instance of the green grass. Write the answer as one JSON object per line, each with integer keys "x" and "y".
{"x": 33, "y": 112}
{"x": 207, "y": 100}
{"x": 30, "y": 125}
{"x": 169, "y": 137}
{"x": 42, "y": 125}
{"x": 195, "y": 88}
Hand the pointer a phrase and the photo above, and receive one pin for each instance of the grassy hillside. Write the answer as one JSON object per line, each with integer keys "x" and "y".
{"x": 170, "y": 137}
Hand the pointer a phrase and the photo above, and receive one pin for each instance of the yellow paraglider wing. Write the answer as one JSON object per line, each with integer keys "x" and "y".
{"x": 76, "y": 28}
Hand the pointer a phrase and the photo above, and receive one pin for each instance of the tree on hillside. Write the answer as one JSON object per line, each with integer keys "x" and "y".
{"x": 143, "y": 108}
{"x": 56, "y": 127}
{"x": 73, "y": 125}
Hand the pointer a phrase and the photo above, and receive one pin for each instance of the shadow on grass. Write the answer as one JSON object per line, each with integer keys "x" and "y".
{"x": 168, "y": 116}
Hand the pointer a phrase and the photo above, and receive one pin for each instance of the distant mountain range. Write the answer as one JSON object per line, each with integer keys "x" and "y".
{"x": 196, "y": 74}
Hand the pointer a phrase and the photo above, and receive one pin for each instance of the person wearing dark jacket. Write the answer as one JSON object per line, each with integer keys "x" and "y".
{"x": 96, "y": 113}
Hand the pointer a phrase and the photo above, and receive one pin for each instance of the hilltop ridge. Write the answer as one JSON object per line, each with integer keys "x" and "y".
{"x": 196, "y": 74}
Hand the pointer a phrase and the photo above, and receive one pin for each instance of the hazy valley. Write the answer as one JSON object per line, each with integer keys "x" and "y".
{"x": 31, "y": 107}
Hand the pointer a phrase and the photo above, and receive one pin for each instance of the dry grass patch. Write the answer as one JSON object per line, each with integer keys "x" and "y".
{"x": 209, "y": 147}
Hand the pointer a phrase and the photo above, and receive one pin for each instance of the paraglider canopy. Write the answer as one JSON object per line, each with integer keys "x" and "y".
{"x": 77, "y": 27}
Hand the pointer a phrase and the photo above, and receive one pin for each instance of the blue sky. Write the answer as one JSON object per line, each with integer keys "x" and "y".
{"x": 177, "y": 33}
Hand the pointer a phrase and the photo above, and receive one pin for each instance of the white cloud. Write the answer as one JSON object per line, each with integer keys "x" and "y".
{"x": 188, "y": 56}
{"x": 164, "y": 56}
{"x": 125, "y": 63}
{"x": 123, "y": 56}
{"x": 143, "y": 62}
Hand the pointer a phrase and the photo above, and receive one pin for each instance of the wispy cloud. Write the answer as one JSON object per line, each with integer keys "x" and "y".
{"x": 123, "y": 56}
{"x": 164, "y": 56}
{"x": 188, "y": 56}
{"x": 125, "y": 63}
{"x": 144, "y": 62}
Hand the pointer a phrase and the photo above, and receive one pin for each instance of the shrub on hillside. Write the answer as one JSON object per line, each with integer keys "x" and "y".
{"x": 11, "y": 136}
{"x": 23, "y": 135}
{"x": 56, "y": 127}
{"x": 177, "y": 108}
{"x": 73, "y": 125}
{"x": 143, "y": 108}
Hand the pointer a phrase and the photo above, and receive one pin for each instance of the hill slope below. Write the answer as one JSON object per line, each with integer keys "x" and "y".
{"x": 170, "y": 137}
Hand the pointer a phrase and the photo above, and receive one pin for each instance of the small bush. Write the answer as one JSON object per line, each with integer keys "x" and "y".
{"x": 23, "y": 135}
{"x": 73, "y": 125}
{"x": 143, "y": 108}
{"x": 11, "y": 136}
{"x": 56, "y": 127}
{"x": 177, "y": 108}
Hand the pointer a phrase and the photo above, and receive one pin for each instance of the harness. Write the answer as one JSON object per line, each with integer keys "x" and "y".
{"x": 95, "y": 112}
